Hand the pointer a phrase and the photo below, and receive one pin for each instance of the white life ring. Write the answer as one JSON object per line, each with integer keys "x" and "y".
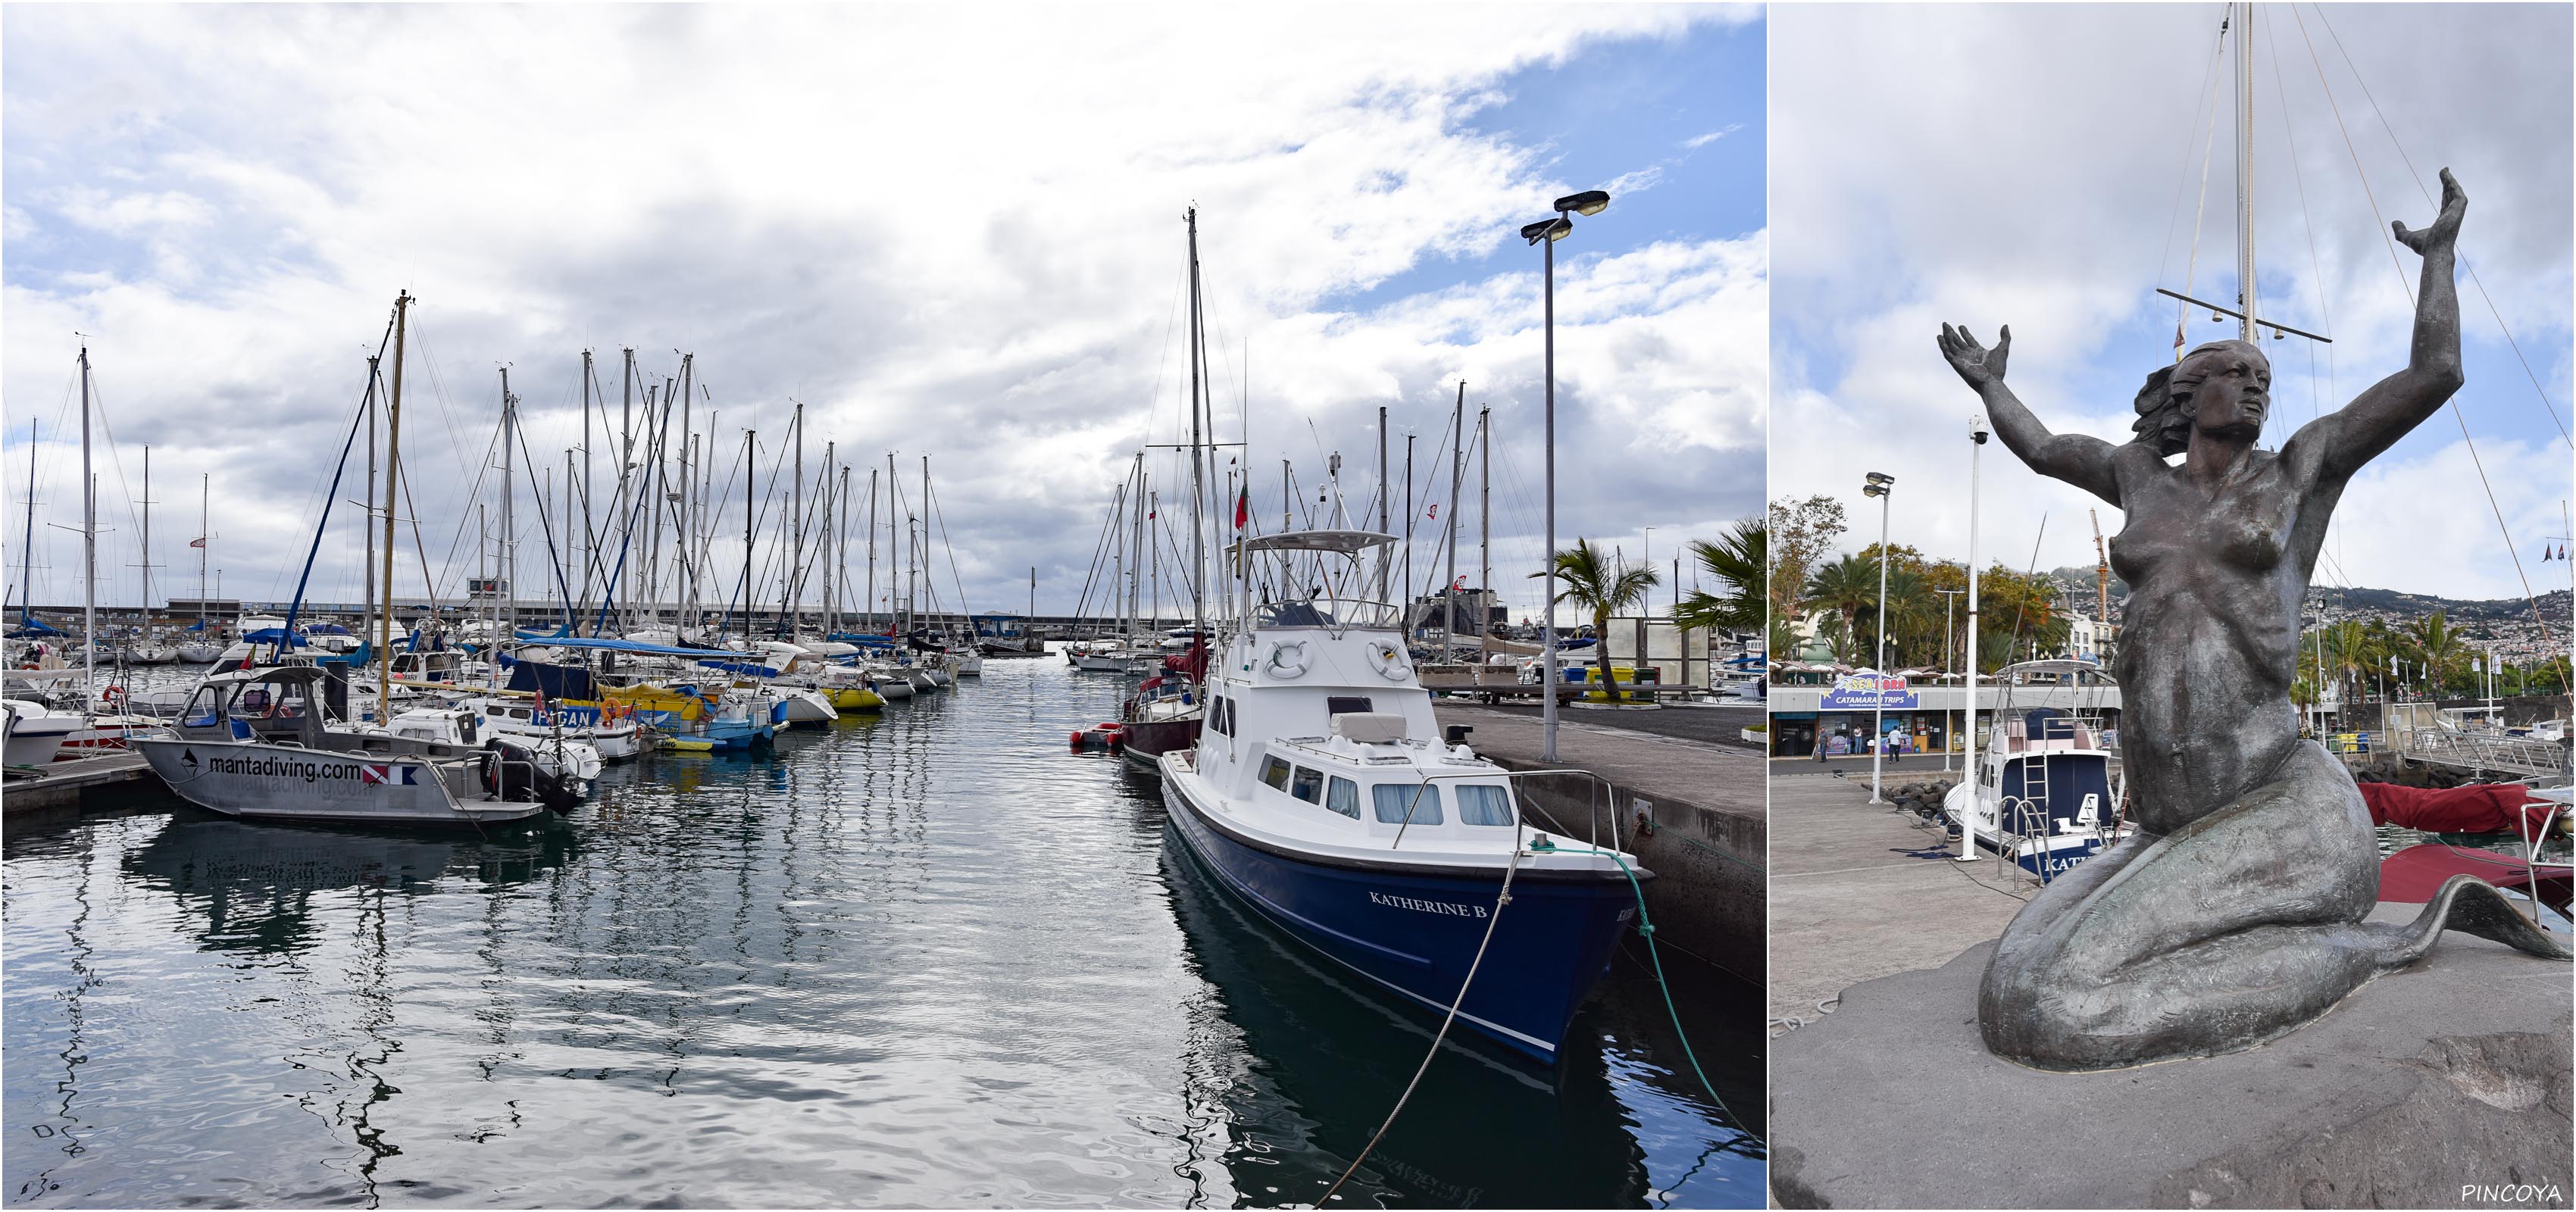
{"x": 1388, "y": 660}
{"x": 1279, "y": 663}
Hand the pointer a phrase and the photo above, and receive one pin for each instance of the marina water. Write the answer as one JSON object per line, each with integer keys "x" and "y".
{"x": 931, "y": 958}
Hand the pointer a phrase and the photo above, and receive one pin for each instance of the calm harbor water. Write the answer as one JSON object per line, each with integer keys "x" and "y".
{"x": 925, "y": 959}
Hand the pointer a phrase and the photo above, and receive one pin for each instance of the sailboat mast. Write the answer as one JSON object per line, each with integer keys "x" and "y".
{"x": 871, "y": 612}
{"x": 147, "y": 535}
{"x": 89, "y": 548}
{"x": 509, "y": 517}
{"x": 824, "y": 536}
{"x": 1449, "y": 531}
{"x": 795, "y": 577}
{"x": 367, "y": 599}
{"x": 1198, "y": 358}
{"x": 589, "y": 538}
{"x": 205, "y": 501}
{"x": 2245, "y": 171}
{"x": 393, "y": 477}
{"x": 749, "y": 512}
{"x": 1484, "y": 525}
{"x": 1385, "y": 500}
{"x": 27, "y": 548}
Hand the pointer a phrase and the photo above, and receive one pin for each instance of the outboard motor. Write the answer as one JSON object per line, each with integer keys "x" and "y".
{"x": 510, "y": 771}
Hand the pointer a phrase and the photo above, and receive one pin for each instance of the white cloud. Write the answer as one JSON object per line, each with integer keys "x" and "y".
{"x": 944, "y": 232}
{"x": 1915, "y": 183}
{"x": 1696, "y": 142}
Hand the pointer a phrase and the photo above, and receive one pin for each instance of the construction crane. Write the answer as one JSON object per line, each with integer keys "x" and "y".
{"x": 2101, "y": 570}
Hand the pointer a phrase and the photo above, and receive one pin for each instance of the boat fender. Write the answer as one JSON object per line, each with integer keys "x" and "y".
{"x": 1388, "y": 660}
{"x": 1282, "y": 663}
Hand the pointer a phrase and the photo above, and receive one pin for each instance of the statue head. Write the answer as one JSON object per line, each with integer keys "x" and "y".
{"x": 2219, "y": 388}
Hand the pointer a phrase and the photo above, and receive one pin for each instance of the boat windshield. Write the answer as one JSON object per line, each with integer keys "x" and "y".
{"x": 1325, "y": 612}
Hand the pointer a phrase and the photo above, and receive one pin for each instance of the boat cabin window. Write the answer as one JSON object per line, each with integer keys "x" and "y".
{"x": 1341, "y": 704}
{"x": 1484, "y": 804}
{"x": 1397, "y": 803}
{"x": 200, "y": 712}
{"x": 1275, "y": 772}
{"x": 1343, "y": 796}
{"x": 1220, "y": 716}
{"x": 1308, "y": 785}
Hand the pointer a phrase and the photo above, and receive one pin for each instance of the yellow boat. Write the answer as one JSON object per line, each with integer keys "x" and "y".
{"x": 688, "y": 744}
{"x": 658, "y": 703}
{"x": 853, "y": 698}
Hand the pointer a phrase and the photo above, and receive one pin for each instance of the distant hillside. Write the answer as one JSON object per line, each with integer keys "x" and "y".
{"x": 2553, "y": 605}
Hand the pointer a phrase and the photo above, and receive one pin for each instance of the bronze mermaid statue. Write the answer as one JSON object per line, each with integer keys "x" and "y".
{"x": 2234, "y": 914}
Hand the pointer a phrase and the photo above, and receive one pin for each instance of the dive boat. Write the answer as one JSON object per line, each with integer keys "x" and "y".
{"x": 1321, "y": 795}
{"x": 257, "y": 743}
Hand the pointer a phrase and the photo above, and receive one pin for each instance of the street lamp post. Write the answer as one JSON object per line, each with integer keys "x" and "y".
{"x": 1545, "y": 233}
{"x": 1949, "y": 619}
{"x": 1882, "y": 486}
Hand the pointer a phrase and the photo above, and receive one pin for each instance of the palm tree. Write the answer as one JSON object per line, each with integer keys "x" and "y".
{"x": 1605, "y": 587}
{"x": 2437, "y": 644}
{"x": 1736, "y": 562}
{"x": 1847, "y": 586}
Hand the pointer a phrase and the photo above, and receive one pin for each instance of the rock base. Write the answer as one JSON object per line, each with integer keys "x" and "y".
{"x": 2443, "y": 1085}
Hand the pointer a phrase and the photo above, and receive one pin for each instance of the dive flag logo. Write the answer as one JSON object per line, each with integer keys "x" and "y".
{"x": 391, "y": 776}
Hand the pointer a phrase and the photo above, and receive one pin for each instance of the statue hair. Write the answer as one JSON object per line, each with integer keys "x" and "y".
{"x": 2164, "y": 403}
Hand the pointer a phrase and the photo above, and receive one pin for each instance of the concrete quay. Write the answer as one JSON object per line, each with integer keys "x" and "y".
{"x": 2444, "y": 1084}
{"x": 107, "y": 779}
{"x": 1703, "y": 804}
{"x": 1860, "y": 892}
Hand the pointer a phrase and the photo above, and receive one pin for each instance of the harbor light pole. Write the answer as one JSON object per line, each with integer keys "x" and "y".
{"x": 1545, "y": 233}
{"x": 1949, "y": 620}
{"x": 1882, "y": 486}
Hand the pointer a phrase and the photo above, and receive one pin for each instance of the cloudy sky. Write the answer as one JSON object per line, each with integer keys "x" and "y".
{"x": 953, "y": 234}
{"x": 2041, "y": 165}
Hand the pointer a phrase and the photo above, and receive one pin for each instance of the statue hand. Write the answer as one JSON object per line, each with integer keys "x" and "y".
{"x": 1976, "y": 364}
{"x": 2445, "y": 230}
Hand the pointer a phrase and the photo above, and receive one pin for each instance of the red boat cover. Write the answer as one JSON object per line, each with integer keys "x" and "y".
{"x": 2414, "y": 874}
{"x": 2478, "y": 808}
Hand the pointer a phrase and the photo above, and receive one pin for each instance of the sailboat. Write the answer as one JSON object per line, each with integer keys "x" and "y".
{"x": 1170, "y": 706}
{"x": 262, "y": 742}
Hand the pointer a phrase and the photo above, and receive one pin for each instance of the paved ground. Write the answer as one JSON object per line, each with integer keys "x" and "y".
{"x": 1711, "y": 725}
{"x": 1858, "y": 892}
{"x": 1912, "y": 766}
{"x": 2447, "y": 1072}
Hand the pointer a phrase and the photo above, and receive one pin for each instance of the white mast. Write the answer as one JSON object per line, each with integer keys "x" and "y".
{"x": 1449, "y": 532}
{"x": 509, "y": 528}
{"x": 89, "y": 548}
{"x": 205, "y": 499}
{"x": 2245, "y": 170}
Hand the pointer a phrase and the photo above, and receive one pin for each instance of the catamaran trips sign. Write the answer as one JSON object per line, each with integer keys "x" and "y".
{"x": 1869, "y": 692}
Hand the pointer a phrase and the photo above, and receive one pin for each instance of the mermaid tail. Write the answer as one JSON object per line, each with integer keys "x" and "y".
{"x": 2231, "y": 931}
{"x": 2470, "y": 906}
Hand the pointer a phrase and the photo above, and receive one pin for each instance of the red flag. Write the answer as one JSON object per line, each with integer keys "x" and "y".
{"x": 196, "y": 542}
{"x": 2177, "y": 335}
{"x": 1243, "y": 508}
{"x": 1435, "y": 511}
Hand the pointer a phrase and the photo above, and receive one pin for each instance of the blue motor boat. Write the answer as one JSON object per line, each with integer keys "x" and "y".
{"x": 1321, "y": 794}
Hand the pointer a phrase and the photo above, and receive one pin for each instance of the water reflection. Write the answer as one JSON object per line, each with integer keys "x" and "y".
{"x": 925, "y": 959}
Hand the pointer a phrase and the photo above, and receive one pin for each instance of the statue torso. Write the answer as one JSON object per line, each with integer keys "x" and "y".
{"x": 2210, "y": 636}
